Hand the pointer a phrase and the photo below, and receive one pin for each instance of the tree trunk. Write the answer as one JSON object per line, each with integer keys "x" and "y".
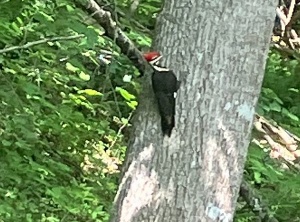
{"x": 218, "y": 50}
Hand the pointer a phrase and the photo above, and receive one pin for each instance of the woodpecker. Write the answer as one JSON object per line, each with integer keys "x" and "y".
{"x": 165, "y": 86}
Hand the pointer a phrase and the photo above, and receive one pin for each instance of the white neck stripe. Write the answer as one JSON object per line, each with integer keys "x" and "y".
{"x": 160, "y": 69}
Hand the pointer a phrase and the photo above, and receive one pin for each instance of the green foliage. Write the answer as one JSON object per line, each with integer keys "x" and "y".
{"x": 279, "y": 100}
{"x": 63, "y": 111}
{"x": 61, "y": 114}
{"x": 278, "y": 188}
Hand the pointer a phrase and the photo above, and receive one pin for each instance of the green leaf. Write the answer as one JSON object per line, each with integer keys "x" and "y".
{"x": 290, "y": 115}
{"x": 265, "y": 107}
{"x": 276, "y": 98}
{"x": 260, "y": 110}
{"x": 257, "y": 177}
{"x": 90, "y": 92}
{"x": 92, "y": 37}
{"x": 71, "y": 68}
{"x": 293, "y": 90}
{"x": 126, "y": 95}
{"x": 274, "y": 106}
{"x": 47, "y": 17}
{"x": 6, "y": 142}
{"x": 132, "y": 104}
{"x": 84, "y": 76}
{"x": 15, "y": 27}
{"x": 69, "y": 8}
{"x": 20, "y": 21}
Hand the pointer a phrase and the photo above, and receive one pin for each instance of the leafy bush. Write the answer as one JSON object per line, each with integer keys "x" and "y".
{"x": 65, "y": 113}
{"x": 62, "y": 111}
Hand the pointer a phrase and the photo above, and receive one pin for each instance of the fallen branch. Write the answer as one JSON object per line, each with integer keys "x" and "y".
{"x": 288, "y": 16}
{"x": 291, "y": 11}
{"x": 282, "y": 16}
{"x": 284, "y": 50}
{"x": 105, "y": 20}
{"x": 41, "y": 41}
{"x": 283, "y": 144}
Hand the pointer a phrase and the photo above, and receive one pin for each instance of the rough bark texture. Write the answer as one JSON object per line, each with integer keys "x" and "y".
{"x": 218, "y": 50}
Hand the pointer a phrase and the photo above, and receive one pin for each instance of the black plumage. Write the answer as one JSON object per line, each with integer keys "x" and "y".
{"x": 165, "y": 86}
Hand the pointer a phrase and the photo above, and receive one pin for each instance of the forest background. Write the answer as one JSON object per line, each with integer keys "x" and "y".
{"x": 68, "y": 94}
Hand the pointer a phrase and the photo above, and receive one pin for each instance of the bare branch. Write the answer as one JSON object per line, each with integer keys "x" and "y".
{"x": 282, "y": 16}
{"x": 291, "y": 11}
{"x": 41, "y": 41}
{"x": 114, "y": 32}
{"x": 286, "y": 18}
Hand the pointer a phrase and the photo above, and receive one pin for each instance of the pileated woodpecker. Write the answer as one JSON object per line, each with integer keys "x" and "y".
{"x": 165, "y": 86}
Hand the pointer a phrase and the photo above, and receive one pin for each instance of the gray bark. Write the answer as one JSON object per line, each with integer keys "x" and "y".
{"x": 218, "y": 50}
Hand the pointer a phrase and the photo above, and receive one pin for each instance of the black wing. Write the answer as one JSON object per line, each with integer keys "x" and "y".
{"x": 165, "y": 85}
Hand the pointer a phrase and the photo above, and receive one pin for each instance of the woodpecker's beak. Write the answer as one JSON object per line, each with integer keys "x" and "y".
{"x": 156, "y": 60}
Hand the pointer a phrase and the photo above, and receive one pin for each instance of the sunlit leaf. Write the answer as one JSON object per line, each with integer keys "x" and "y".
{"x": 90, "y": 92}
{"x": 274, "y": 106}
{"x": 126, "y": 95}
{"x": 71, "y": 68}
{"x": 84, "y": 76}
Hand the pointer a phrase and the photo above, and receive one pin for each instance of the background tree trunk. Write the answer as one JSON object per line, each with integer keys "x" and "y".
{"x": 218, "y": 50}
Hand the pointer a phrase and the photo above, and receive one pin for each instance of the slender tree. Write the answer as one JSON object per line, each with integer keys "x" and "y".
{"x": 218, "y": 51}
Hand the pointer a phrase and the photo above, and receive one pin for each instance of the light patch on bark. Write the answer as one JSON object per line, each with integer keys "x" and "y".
{"x": 141, "y": 183}
{"x": 214, "y": 213}
{"x": 227, "y": 106}
{"x": 246, "y": 111}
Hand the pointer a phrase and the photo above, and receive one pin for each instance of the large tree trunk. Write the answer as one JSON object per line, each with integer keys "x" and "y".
{"x": 218, "y": 50}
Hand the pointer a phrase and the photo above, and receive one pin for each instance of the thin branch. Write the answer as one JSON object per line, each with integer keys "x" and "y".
{"x": 282, "y": 16}
{"x": 41, "y": 41}
{"x": 286, "y": 18}
{"x": 136, "y": 23}
{"x": 291, "y": 10}
{"x": 114, "y": 32}
{"x": 120, "y": 131}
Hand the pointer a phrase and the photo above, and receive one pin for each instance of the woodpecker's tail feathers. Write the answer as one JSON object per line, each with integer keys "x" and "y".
{"x": 166, "y": 106}
{"x": 167, "y": 124}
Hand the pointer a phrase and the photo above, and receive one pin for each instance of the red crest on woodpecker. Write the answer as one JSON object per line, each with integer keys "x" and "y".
{"x": 150, "y": 56}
